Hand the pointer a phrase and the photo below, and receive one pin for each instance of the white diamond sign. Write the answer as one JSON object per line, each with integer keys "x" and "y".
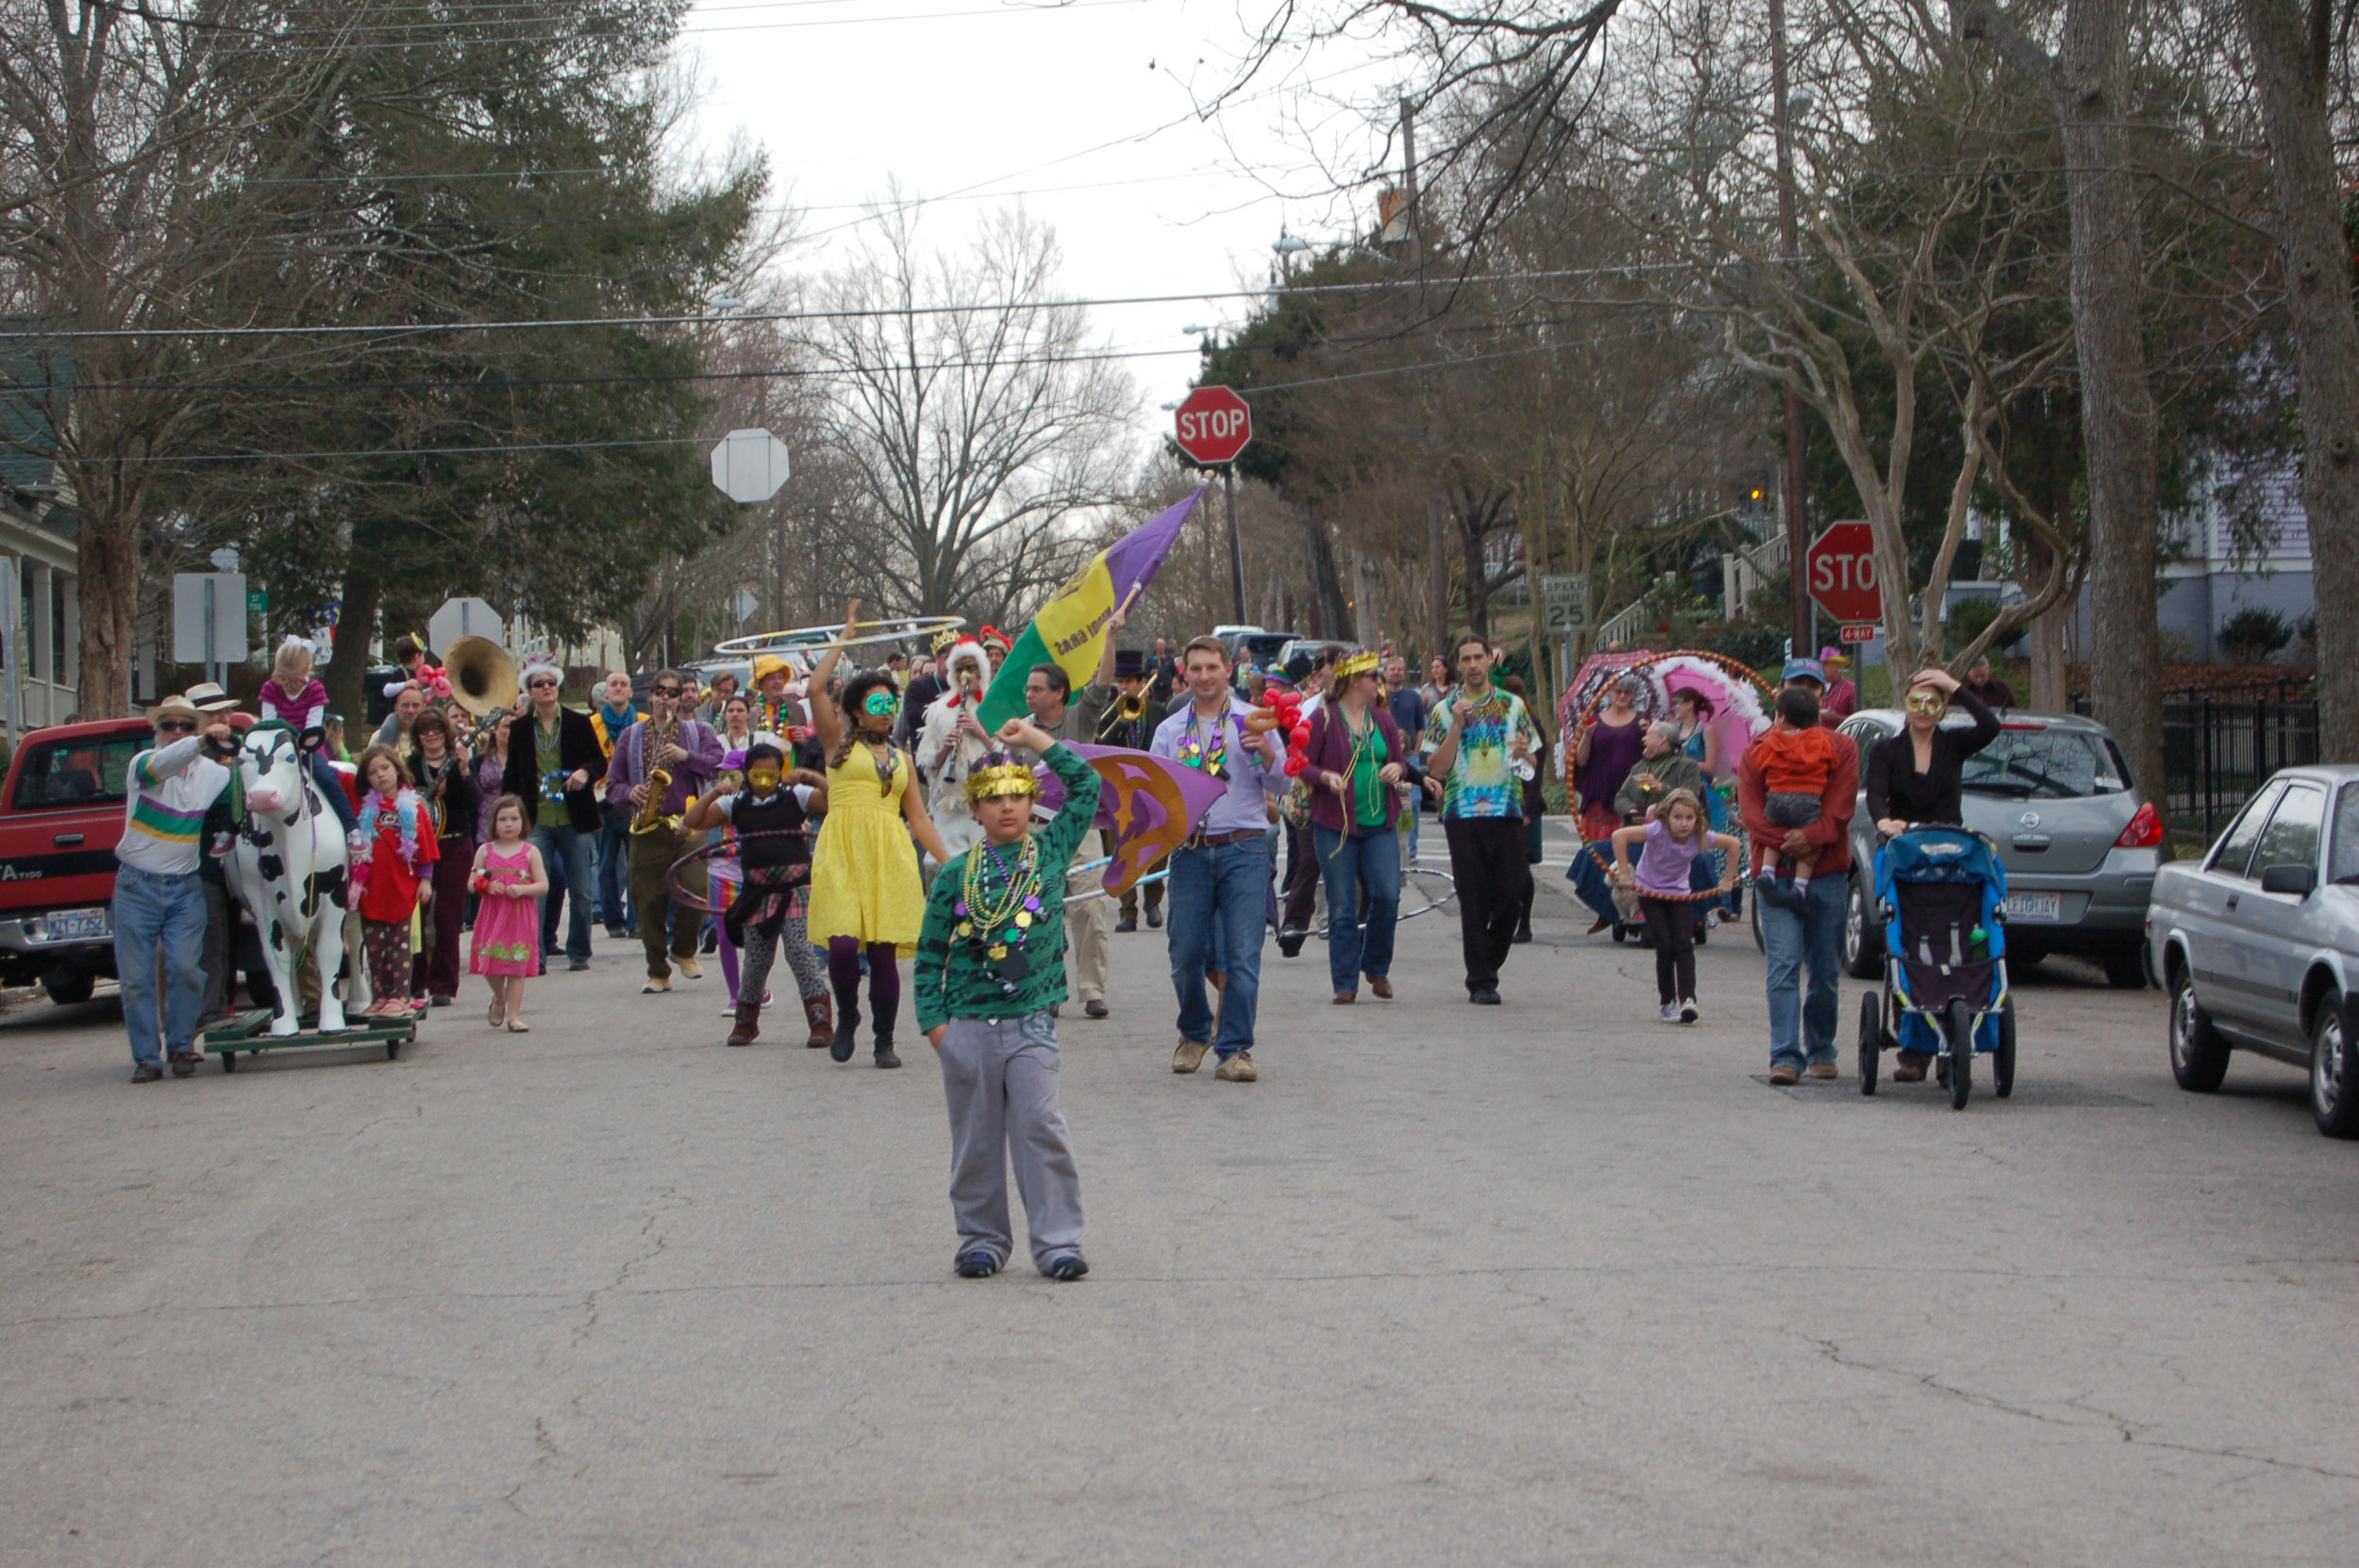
{"x": 749, "y": 465}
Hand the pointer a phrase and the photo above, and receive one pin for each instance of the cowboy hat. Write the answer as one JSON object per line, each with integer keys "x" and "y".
{"x": 208, "y": 697}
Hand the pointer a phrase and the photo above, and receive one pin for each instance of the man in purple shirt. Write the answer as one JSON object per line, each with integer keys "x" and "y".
{"x": 691, "y": 753}
{"x": 1219, "y": 888}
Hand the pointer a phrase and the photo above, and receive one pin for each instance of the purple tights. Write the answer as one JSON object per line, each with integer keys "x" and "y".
{"x": 884, "y": 975}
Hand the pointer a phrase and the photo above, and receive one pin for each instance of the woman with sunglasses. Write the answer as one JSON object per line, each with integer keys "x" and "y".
{"x": 1918, "y": 775}
{"x": 865, "y": 896}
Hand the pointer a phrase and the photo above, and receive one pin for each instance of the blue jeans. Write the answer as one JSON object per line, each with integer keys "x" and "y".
{"x": 1217, "y": 900}
{"x": 566, "y": 854}
{"x": 332, "y": 785}
{"x": 1790, "y": 940}
{"x": 614, "y": 872}
{"x": 156, "y": 914}
{"x": 1368, "y": 858}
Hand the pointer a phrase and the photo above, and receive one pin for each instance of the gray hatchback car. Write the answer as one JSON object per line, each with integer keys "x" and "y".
{"x": 2080, "y": 844}
{"x": 2258, "y": 942}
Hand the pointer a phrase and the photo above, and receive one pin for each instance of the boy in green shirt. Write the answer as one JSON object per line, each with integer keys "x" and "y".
{"x": 990, "y": 966}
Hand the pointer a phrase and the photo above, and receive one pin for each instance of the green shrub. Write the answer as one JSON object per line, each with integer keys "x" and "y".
{"x": 1970, "y": 619}
{"x": 2253, "y": 634}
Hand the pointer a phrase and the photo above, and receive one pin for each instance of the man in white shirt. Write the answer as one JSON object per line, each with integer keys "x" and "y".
{"x": 159, "y": 901}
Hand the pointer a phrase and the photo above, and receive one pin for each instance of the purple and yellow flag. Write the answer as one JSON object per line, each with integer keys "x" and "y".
{"x": 1070, "y": 629}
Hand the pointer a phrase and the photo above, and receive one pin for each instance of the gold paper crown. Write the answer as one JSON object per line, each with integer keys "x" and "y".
{"x": 1361, "y": 663}
{"x": 1006, "y": 777}
{"x": 943, "y": 639}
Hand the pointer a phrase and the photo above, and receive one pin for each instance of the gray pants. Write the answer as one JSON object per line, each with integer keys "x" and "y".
{"x": 999, "y": 1076}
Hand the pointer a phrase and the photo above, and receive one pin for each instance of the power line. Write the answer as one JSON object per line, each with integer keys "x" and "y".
{"x": 979, "y": 307}
{"x": 697, "y": 441}
{"x": 363, "y": 36}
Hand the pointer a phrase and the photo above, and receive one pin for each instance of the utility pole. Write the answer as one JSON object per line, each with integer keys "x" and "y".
{"x": 1437, "y": 559}
{"x": 1796, "y": 496}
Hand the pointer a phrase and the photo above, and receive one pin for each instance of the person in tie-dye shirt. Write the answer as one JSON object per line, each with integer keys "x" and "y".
{"x": 1479, "y": 744}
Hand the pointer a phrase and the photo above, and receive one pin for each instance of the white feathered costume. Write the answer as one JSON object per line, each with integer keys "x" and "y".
{"x": 947, "y": 755}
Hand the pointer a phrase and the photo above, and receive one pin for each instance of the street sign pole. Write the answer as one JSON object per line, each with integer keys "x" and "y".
{"x": 1236, "y": 542}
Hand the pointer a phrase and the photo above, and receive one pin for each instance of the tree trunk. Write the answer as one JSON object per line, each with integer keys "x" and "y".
{"x": 108, "y": 559}
{"x": 2047, "y": 634}
{"x": 1437, "y": 561}
{"x": 2085, "y": 83}
{"x": 2290, "y": 60}
{"x": 346, "y": 676}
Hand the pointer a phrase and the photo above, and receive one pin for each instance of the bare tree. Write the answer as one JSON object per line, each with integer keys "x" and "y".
{"x": 2085, "y": 79}
{"x": 978, "y": 414}
{"x": 2293, "y": 43}
{"x": 128, "y": 135}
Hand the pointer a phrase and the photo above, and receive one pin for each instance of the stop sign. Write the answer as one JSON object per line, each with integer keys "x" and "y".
{"x": 1214, "y": 424}
{"x": 1842, "y": 568}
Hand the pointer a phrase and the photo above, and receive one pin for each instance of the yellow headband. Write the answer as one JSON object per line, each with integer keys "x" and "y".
{"x": 1361, "y": 663}
{"x": 1001, "y": 778}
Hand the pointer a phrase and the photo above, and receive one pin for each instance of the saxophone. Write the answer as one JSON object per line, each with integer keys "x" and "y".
{"x": 651, "y": 818}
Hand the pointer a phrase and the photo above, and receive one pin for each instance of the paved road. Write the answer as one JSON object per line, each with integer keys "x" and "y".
{"x": 1550, "y": 1283}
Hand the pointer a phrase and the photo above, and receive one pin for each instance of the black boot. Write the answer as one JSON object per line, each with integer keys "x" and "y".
{"x": 886, "y": 1008}
{"x": 847, "y": 1020}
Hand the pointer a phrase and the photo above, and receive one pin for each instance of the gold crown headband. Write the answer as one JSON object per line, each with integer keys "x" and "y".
{"x": 1361, "y": 663}
{"x": 1004, "y": 777}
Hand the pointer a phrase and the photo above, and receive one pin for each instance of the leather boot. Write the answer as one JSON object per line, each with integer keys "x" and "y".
{"x": 887, "y": 1009}
{"x": 847, "y": 1020}
{"x": 748, "y": 1024}
{"x": 816, "y": 1011}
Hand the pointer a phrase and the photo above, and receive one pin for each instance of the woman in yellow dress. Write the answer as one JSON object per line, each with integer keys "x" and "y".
{"x": 865, "y": 896}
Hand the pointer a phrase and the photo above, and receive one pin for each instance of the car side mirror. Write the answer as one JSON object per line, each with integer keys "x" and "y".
{"x": 2300, "y": 881}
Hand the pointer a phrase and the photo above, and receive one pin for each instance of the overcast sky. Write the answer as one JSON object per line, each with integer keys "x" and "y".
{"x": 1083, "y": 108}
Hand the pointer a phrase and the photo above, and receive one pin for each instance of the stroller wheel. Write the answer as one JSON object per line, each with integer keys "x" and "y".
{"x": 1871, "y": 1036}
{"x": 1960, "y": 1022}
{"x": 2002, "y": 1067}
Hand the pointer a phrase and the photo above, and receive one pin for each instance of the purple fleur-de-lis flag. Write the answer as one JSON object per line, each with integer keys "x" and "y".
{"x": 1148, "y": 802}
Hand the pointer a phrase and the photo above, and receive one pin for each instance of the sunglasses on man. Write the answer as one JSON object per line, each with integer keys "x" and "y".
{"x": 543, "y": 684}
{"x": 667, "y": 691}
{"x": 176, "y": 727}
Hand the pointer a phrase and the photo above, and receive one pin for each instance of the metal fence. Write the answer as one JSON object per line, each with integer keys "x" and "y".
{"x": 2220, "y": 744}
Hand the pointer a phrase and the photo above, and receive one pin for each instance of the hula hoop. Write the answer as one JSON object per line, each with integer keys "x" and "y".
{"x": 1604, "y": 857}
{"x": 1723, "y": 662}
{"x": 1430, "y": 904}
{"x": 713, "y": 851}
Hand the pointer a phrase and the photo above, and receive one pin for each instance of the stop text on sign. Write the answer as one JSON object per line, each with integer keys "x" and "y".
{"x": 1842, "y": 573}
{"x": 1213, "y": 425}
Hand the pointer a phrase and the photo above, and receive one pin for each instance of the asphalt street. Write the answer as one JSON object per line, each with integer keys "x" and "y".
{"x": 1544, "y": 1283}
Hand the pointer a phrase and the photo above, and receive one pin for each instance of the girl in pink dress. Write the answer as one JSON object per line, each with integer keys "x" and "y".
{"x": 507, "y": 949}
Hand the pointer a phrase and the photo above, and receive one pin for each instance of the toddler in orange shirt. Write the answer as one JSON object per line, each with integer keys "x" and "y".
{"x": 1796, "y": 767}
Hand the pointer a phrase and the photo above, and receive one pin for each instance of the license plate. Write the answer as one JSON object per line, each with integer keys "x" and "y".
{"x": 76, "y": 926}
{"x": 2033, "y": 905}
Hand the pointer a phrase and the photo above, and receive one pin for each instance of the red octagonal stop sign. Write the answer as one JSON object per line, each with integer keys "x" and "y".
{"x": 1213, "y": 425}
{"x": 1841, "y": 567}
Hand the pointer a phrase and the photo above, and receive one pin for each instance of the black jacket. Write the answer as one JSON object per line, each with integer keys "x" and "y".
{"x": 576, "y": 747}
{"x": 1895, "y": 789}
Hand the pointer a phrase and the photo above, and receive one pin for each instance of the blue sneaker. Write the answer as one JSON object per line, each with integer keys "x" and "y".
{"x": 977, "y": 1265}
{"x": 1067, "y": 1268}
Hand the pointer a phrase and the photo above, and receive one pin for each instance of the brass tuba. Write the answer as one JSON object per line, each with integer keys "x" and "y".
{"x": 482, "y": 682}
{"x": 651, "y": 817}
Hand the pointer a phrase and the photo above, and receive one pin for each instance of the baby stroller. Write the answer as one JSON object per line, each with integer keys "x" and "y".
{"x": 1944, "y": 990}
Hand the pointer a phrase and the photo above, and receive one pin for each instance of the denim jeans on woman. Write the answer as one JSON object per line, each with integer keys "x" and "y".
{"x": 1791, "y": 941}
{"x": 1367, "y": 861}
{"x": 159, "y": 915}
{"x": 1229, "y": 881}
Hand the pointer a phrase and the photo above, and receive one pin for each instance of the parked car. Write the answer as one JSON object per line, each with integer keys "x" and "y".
{"x": 2258, "y": 942}
{"x": 2080, "y": 845}
{"x": 61, "y": 817}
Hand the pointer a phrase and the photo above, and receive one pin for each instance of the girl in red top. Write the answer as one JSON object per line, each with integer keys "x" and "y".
{"x": 393, "y": 878}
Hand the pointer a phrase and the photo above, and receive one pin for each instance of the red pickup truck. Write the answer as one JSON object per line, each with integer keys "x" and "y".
{"x": 60, "y": 816}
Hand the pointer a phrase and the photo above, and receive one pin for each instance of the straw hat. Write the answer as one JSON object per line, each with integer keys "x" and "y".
{"x": 175, "y": 704}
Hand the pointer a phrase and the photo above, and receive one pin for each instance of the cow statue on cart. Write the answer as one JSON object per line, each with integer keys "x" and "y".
{"x": 288, "y": 867}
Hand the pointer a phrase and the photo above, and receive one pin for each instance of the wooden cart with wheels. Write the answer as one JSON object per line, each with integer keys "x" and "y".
{"x": 249, "y": 1032}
